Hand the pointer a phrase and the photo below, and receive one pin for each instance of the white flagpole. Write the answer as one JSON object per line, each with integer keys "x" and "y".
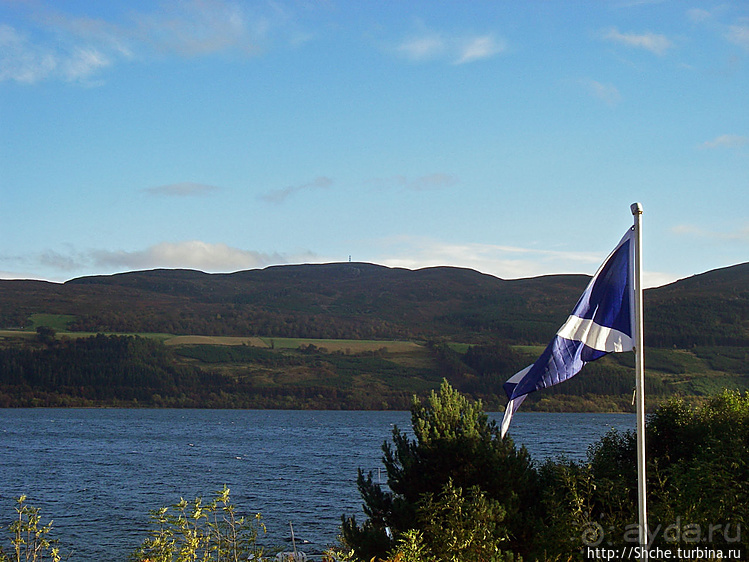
{"x": 640, "y": 381}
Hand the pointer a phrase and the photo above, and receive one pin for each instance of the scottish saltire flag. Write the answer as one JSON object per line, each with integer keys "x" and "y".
{"x": 602, "y": 322}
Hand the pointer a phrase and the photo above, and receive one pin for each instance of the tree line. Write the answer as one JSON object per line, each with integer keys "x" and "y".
{"x": 135, "y": 371}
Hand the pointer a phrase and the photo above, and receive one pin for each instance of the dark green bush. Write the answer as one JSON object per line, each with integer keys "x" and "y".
{"x": 454, "y": 445}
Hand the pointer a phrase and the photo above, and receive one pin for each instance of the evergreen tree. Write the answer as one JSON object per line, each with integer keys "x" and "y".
{"x": 454, "y": 445}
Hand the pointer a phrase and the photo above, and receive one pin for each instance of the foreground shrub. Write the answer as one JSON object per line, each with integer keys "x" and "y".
{"x": 698, "y": 484}
{"x": 700, "y": 469}
{"x": 29, "y": 538}
{"x": 456, "y": 527}
{"x": 194, "y": 531}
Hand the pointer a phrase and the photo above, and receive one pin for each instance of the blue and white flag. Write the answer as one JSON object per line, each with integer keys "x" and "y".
{"x": 602, "y": 322}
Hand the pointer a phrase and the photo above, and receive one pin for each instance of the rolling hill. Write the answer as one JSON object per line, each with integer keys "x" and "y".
{"x": 364, "y": 301}
{"x": 322, "y": 336}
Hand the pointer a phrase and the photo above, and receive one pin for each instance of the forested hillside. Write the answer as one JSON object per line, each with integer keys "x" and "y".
{"x": 707, "y": 309}
{"x": 346, "y": 336}
{"x": 365, "y": 301}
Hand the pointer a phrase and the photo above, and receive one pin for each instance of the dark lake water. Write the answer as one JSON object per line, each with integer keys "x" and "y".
{"x": 98, "y": 472}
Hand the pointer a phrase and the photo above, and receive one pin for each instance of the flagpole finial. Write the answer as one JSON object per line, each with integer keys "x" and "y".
{"x": 636, "y": 208}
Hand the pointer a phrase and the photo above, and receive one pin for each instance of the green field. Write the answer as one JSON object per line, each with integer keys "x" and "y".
{"x": 345, "y": 346}
{"x": 256, "y": 371}
{"x": 58, "y": 322}
{"x": 61, "y": 322}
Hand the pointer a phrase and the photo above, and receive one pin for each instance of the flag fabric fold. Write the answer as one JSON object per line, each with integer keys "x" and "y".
{"x": 602, "y": 322}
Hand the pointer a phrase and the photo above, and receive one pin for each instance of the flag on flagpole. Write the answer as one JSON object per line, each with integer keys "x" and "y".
{"x": 602, "y": 322}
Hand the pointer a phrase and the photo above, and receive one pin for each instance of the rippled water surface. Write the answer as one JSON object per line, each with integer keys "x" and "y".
{"x": 97, "y": 472}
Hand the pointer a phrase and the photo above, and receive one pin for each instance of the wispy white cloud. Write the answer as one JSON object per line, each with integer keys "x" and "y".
{"x": 61, "y": 261}
{"x": 201, "y": 27}
{"x": 184, "y": 189}
{"x": 64, "y": 28}
{"x": 726, "y": 141}
{"x": 692, "y": 231}
{"x": 699, "y": 15}
{"x": 193, "y": 254}
{"x": 456, "y": 49}
{"x": 56, "y": 45}
{"x": 423, "y": 48}
{"x": 715, "y": 19}
{"x": 738, "y": 34}
{"x": 60, "y": 264}
{"x": 505, "y": 262}
{"x": 657, "y": 278}
{"x": 18, "y": 266}
{"x": 608, "y": 93}
{"x": 83, "y": 62}
{"x": 280, "y": 195}
{"x": 652, "y": 42}
{"x": 21, "y": 60}
{"x": 477, "y": 48}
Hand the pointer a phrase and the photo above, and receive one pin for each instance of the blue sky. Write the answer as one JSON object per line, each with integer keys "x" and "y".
{"x": 508, "y": 137}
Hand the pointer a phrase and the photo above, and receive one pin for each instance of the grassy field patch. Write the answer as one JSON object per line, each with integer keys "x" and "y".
{"x": 343, "y": 346}
{"x": 215, "y": 340}
{"x": 58, "y": 322}
{"x": 17, "y": 334}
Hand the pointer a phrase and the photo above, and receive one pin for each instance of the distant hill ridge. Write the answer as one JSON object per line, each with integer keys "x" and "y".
{"x": 362, "y": 300}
